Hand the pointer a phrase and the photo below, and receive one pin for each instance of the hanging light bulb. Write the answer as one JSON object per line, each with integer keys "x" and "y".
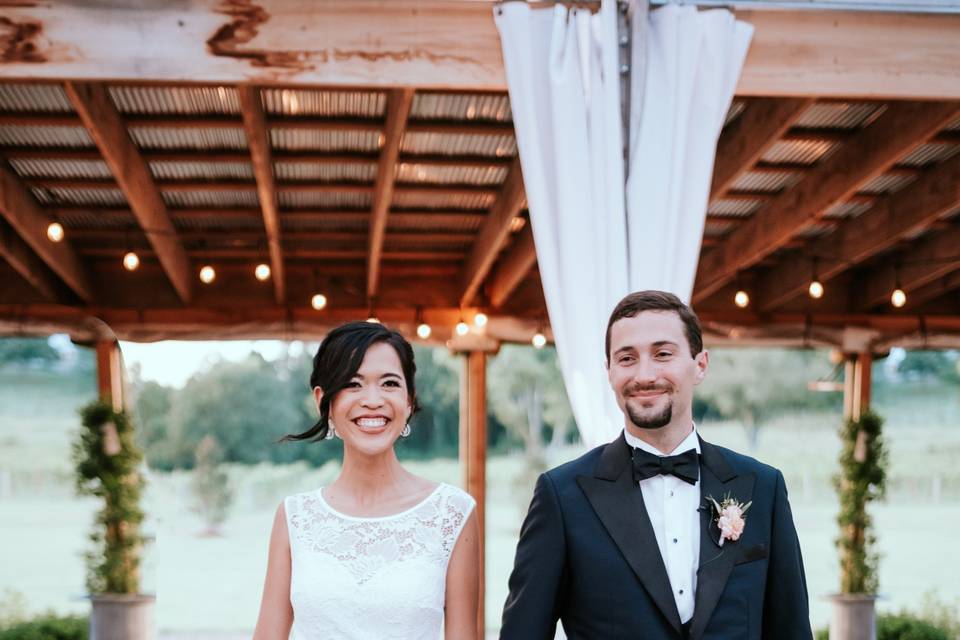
{"x": 741, "y": 299}
{"x": 815, "y": 289}
{"x": 207, "y": 274}
{"x": 898, "y": 298}
{"x": 424, "y": 330}
{"x": 262, "y": 272}
{"x": 480, "y": 319}
{"x": 539, "y": 340}
{"x": 131, "y": 261}
{"x": 462, "y": 328}
{"x": 318, "y": 301}
{"x": 55, "y": 231}
{"x": 374, "y": 319}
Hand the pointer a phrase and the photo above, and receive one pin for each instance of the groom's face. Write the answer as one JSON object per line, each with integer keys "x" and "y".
{"x": 652, "y": 371}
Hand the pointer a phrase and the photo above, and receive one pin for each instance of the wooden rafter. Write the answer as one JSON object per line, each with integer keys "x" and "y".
{"x": 30, "y": 222}
{"x": 25, "y": 262}
{"x": 915, "y": 207}
{"x": 513, "y": 267}
{"x": 901, "y": 128}
{"x": 744, "y": 142}
{"x": 102, "y": 121}
{"x": 494, "y": 233}
{"x": 942, "y": 286}
{"x": 399, "y": 103}
{"x": 254, "y": 125}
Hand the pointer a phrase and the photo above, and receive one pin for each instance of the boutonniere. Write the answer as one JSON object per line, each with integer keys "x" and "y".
{"x": 729, "y": 517}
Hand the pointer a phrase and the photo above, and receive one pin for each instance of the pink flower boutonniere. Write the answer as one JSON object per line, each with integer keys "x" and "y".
{"x": 729, "y": 517}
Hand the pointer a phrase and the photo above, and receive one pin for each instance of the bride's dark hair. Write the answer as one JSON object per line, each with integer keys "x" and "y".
{"x": 339, "y": 358}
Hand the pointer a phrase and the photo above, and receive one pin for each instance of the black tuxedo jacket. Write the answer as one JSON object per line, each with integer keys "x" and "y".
{"x": 588, "y": 556}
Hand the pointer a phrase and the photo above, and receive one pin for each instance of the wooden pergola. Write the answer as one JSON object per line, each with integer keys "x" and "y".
{"x": 365, "y": 150}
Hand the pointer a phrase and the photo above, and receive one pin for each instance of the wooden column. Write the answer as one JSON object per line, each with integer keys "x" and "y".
{"x": 856, "y": 385}
{"x": 109, "y": 373}
{"x": 473, "y": 449}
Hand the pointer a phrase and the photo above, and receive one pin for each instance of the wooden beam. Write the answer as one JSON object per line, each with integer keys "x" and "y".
{"x": 254, "y": 125}
{"x": 895, "y": 133}
{"x": 929, "y": 292}
{"x": 513, "y": 267}
{"x": 898, "y": 215}
{"x": 298, "y": 253}
{"x": 102, "y": 121}
{"x": 30, "y": 222}
{"x": 743, "y": 142}
{"x": 856, "y": 385}
{"x": 494, "y": 233}
{"x": 473, "y": 449}
{"x": 399, "y": 103}
{"x": 110, "y": 373}
{"x": 25, "y": 262}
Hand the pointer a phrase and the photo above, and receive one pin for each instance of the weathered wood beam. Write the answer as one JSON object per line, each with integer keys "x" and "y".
{"x": 25, "y": 262}
{"x": 494, "y": 233}
{"x": 918, "y": 205}
{"x": 102, "y": 121}
{"x": 297, "y": 253}
{"x": 743, "y": 143}
{"x": 399, "y": 103}
{"x": 231, "y": 236}
{"x": 947, "y": 284}
{"x": 929, "y": 259}
{"x": 258, "y": 141}
{"x": 902, "y": 127}
{"x": 513, "y": 267}
{"x": 30, "y": 222}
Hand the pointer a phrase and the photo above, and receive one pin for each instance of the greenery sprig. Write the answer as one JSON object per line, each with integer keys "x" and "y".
{"x": 862, "y": 479}
{"x": 107, "y": 466}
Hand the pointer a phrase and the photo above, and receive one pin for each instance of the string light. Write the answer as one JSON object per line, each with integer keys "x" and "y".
{"x": 374, "y": 319}
{"x": 898, "y": 298}
{"x": 131, "y": 261}
{"x": 480, "y": 319}
{"x": 815, "y": 289}
{"x": 424, "y": 330}
{"x": 462, "y": 328}
{"x": 318, "y": 301}
{"x": 207, "y": 274}
{"x": 741, "y": 299}
{"x": 262, "y": 272}
{"x": 539, "y": 340}
{"x": 55, "y": 231}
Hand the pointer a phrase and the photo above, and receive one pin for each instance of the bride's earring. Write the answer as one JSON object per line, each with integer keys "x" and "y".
{"x": 331, "y": 430}
{"x": 406, "y": 431}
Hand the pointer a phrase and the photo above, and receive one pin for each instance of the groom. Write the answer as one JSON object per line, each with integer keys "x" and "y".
{"x": 658, "y": 535}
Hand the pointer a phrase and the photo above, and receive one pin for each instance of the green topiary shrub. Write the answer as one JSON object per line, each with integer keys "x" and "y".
{"x": 48, "y": 627}
{"x": 899, "y": 626}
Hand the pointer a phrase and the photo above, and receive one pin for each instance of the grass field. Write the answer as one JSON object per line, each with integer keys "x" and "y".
{"x": 214, "y": 584}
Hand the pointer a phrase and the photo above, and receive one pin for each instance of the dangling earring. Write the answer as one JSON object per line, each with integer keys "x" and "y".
{"x": 406, "y": 431}
{"x": 331, "y": 430}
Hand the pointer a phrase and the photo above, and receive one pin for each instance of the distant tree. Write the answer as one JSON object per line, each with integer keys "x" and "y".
{"x": 26, "y": 351}
{"x": 153, "y": 403}
{"x": 212, "y": 493}
{"x": 941, "y": 365}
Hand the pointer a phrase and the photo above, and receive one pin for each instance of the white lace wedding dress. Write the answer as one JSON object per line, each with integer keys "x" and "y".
{"x": 372, "y": 578}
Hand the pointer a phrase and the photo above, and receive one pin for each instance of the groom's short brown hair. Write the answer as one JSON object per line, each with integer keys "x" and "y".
{"x": 653, "y": 300}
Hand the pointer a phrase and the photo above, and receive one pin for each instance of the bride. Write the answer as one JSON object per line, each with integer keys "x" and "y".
{"x": 380, "y": 552}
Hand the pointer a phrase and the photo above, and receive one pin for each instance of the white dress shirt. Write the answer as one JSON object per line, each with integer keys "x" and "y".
{"x": 672, "y": 506}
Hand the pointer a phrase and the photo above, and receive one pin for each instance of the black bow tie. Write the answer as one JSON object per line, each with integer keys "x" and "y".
{"x": 685, "y": 466}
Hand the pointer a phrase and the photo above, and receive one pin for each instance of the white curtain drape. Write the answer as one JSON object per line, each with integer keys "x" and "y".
{"x": 594, "y": 244}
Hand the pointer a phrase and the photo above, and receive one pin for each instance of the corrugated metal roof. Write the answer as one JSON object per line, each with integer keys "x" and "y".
{"x": 299, "y": 102}
{"x": 353, "y": 172}
{"x": 42, "y": 136}
{"x": 323, "y": 223}
{"x": 223, "y": 199}
{"x": 815, "y": 231}
{"x": 180, "y": 170}
{"x": 931, "y": 153}
{"x": 736, "y": 108}
{"x": 320, "y": 140}
{"x": 441, "y": 200}
{"x": 954, "y": 126}
{"x": 461, "y": 106}
{"x": 734, "y": 207}
{"x": 219, "y": 221}
{"x": 408, "y": 172}
{"x": 412, "y": 243}
{"x": 887, "y": 183}
{"x": 846, "y": 210}
{"x": 400, "y": 221}
{"x": 94, "y": 219}
{"x": 459, "y": 144}
{"x": 802, "y": 151}
{"x": 772, "y": 181}
{"x": 188, "y": 138}
{"x": 183, "y": 100}
{"x": 839, "y": 115}
{"x": 91, "y": 197}
{"x": 322, "y": 200}
{"x": 44, "y": 168}
{"x": 48, "y": 98}
{"x": 717, "y": 229}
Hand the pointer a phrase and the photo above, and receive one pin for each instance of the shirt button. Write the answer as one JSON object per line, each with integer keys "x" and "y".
{"x": 674, "y": 541}
{"x": 671, "y": 494}
{"x": 681, "y": 591}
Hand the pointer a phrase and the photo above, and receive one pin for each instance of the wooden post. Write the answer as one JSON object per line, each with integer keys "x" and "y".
{"x": 856, "y": 385}
{"x": 473, "y": 449}
{"x": 110, "y": 373}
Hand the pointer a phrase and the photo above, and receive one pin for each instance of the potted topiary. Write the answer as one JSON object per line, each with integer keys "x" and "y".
{"x": 107, "y": 466}
{"x": 861, "y": 480}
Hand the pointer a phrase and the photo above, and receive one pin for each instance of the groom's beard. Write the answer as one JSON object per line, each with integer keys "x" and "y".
{"x": 644, "y": 419}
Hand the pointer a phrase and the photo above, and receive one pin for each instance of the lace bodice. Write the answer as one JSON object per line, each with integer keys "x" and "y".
{"x": 372, "y": 578}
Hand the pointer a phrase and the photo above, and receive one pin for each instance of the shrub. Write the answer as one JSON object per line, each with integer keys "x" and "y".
{"x": 899, "y": 626}
{"x": 48, "y": 627}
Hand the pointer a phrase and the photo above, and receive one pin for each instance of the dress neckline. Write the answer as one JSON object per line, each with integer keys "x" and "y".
{"x": 392, "y": 516}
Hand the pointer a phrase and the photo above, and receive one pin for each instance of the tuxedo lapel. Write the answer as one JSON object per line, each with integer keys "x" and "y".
{"x": 618, "y": 502}
{"x": 717, "y": 480}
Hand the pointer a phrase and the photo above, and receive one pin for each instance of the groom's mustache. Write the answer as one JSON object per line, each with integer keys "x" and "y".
{"x": 631, "y": 389}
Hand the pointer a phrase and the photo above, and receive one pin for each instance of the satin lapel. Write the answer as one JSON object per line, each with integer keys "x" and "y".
{"x": 618, "y": 502}
{"x": 717, "y": 480}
